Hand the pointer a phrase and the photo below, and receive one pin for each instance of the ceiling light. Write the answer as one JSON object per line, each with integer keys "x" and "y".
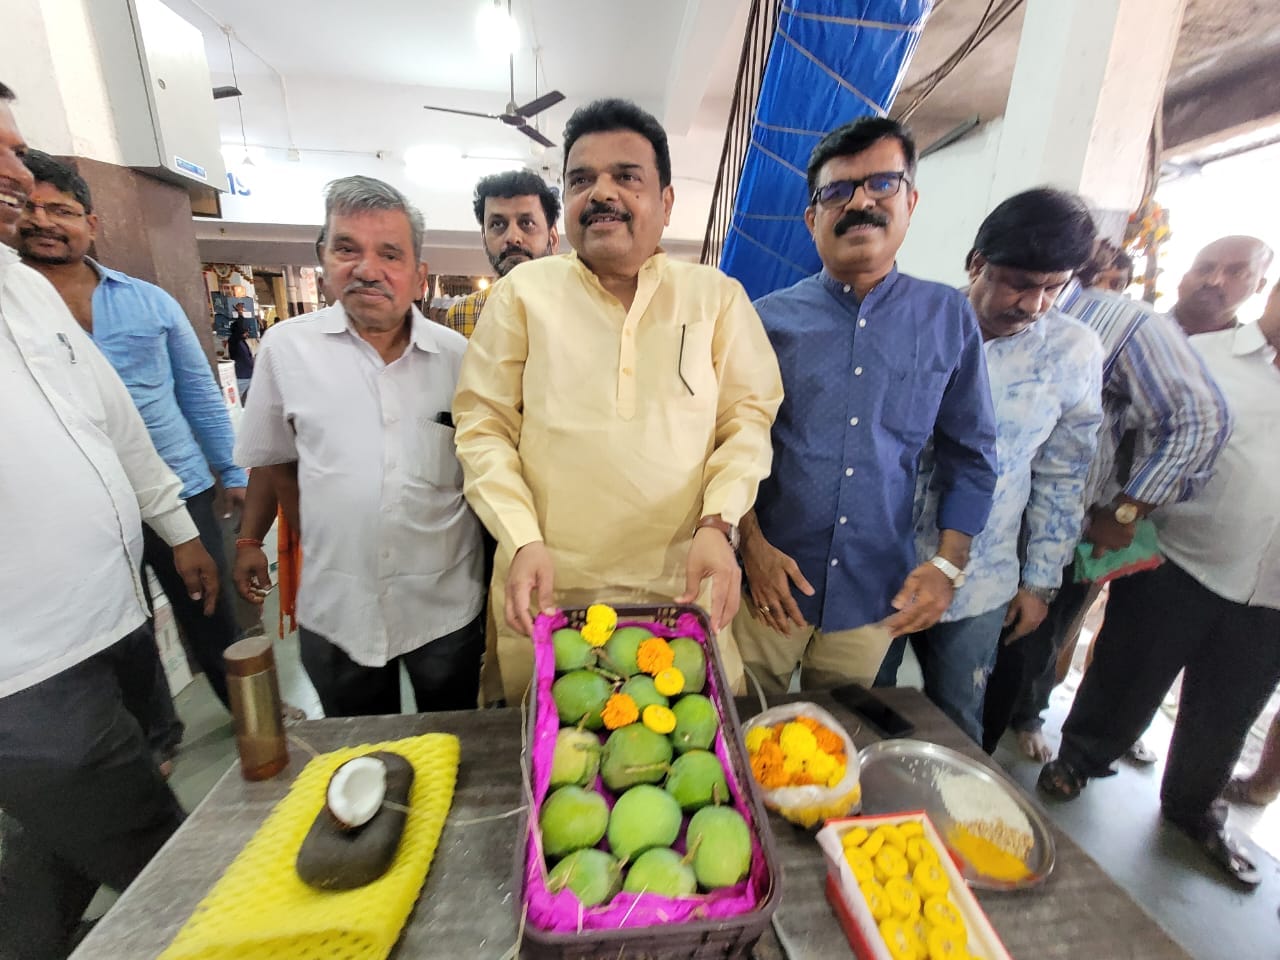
{"x": 496, "y": 29}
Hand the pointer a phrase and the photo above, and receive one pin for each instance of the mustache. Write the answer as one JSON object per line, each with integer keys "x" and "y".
{"x": 514, "y": 249}
{"x": 858, "y": 218}
{"x": 28, "y": 233}
{"x": 356, "y": 285}
{"x": 595, "y": 209}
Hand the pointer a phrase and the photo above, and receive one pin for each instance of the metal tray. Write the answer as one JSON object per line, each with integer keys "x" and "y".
{"x": 899, "y": 775}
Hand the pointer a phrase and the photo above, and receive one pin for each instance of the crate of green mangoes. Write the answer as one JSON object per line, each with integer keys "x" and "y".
{"x": 646, "y": 827}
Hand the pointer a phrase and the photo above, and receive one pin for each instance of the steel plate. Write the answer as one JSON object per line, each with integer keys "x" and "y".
{"x": 899, "y": 775}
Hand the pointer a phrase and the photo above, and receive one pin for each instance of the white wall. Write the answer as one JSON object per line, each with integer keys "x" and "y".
{"x": 955, "y": 196}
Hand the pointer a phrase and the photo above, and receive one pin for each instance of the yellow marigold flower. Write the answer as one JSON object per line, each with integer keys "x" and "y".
{"x": 669, "y": 682}
{"x": 820, "y": 766}
{"x": 837, "y": 774}
{"x": 798, "y": 741}
{"x": 658, "y": 718}
{"x": 654, "y": 656}
{"x": 596, "y": 634}
{"x": 794, "y": 766}
{"x": 603, "y": 615}
{"x": 619, "y": 711}
{"x": 756, "y": 736}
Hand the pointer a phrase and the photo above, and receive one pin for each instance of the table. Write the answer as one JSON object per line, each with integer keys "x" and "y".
{"x": 467, "y": 906}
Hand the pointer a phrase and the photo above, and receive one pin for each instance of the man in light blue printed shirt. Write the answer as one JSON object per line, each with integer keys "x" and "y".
{"x": 147, "y": 338}
{"x": 1045, "y": 371}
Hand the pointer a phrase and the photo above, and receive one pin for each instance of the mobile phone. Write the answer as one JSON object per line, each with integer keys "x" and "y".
{"x": 883, "y": 718}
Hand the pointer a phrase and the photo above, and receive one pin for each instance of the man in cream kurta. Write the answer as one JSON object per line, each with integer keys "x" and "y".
{"x": 614, "y": 408}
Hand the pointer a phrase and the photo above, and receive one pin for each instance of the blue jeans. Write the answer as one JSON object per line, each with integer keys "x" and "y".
{"x": 956, "y": 659}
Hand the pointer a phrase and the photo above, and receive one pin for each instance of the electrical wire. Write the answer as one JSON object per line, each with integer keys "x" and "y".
{"x": 991, "y": 20}
{"x": 244, "y": 139}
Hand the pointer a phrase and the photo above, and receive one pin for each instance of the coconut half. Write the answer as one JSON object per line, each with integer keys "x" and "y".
{"x": 356, "y": 791}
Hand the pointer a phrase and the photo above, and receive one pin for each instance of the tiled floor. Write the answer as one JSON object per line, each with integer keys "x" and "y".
{"x": 1115, "y": 820}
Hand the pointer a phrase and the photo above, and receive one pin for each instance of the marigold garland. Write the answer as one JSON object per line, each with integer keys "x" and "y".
{"x": 801, "y": 752}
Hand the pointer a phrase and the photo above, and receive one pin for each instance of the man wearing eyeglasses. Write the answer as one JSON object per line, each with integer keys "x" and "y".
{"x": 148, "y": 339}
{"x": 874, "y": 364}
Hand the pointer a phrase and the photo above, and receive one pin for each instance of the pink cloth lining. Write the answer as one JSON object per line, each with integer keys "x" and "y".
{"x": 562, "y": 912}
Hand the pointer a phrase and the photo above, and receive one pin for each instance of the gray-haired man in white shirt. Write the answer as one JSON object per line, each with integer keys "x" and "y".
{"x": 79, "y": 477}
{"x": 352, "y": 404}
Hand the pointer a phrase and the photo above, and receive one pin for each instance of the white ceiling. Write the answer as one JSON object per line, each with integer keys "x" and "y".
{"x": 356, "y": 76}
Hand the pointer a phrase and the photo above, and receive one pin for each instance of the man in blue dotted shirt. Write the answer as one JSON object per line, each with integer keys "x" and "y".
{"x": 874, "y": 364}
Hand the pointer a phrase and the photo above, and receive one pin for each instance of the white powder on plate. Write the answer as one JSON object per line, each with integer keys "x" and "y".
{"x": 971, "y": 799}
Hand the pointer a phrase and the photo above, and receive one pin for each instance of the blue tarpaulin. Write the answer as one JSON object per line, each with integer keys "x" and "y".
{"x": 831, "y": 61}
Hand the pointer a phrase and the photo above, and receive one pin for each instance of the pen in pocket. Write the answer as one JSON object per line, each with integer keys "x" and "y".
{"x": 66, "y": 342}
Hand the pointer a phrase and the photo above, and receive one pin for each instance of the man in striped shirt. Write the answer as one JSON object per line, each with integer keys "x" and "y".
{"x": 1164, "y": 421}
{"x": 517, "y": 213}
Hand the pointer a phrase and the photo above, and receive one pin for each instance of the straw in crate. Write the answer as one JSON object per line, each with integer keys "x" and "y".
{"x": 898, "y": 894}
{"x": 826, "y": 774}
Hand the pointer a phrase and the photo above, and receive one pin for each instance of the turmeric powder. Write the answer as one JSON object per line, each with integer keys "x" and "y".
{"x": 986, "y": 857}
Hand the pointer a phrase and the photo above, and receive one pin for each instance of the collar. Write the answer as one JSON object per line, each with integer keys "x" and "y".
{"x": 334, "y": 319}
{"x": 106, "y": 273}
{"x": 1247, "y": 339}
{"x": 844, "y": 291}
{"x": 8, "y": 256}
{"x": 655, "y": 264}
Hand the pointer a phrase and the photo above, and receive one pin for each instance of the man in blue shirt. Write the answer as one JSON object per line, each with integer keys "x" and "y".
{"x": 874, "y": 364}
{"x": 1046, "y": 381}
{"x": 147, "y": 337}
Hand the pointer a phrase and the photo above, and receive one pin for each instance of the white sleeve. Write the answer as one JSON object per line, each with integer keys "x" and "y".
{"x": 266, "y": 435}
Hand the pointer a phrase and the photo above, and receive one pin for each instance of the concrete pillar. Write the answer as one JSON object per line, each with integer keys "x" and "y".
{"x": 49, "y": 56}
{"x": 1088, "y": 79}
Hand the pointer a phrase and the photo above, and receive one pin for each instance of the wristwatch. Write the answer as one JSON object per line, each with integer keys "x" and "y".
{"x": 729, "y": 530}
{"x": 1126, "y": 513}
{"x": 949, "y": 570}
{"x": 1045, "y": 595}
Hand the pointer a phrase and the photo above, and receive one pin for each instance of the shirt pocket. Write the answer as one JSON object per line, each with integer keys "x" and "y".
{"x": 912, "y": 402}
{"x": 435, "y": 459}
{"x": 142, "y": 360}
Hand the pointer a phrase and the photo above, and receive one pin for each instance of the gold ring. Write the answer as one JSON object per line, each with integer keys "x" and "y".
{"x": 764, "y": 608}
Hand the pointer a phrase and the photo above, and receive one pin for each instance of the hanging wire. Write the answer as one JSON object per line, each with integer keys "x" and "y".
{"x": 244, "y": 139}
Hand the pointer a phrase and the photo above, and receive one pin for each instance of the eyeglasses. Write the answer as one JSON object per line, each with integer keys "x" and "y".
{"x": 54, "y": 211}
{"x": 877, "y": 186}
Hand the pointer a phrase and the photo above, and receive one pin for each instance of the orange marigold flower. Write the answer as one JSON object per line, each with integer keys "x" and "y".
{"x": 654, "y": 656}
{"x": 811, "y": 723}
{"x": 619, "y": 711}
{"x": 829, "y": 741}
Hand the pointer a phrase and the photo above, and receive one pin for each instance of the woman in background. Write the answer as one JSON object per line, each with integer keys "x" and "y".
{"x": 238, "y": 351}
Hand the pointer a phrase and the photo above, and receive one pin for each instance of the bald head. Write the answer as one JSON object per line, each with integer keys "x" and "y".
{"x": 1225, "y": 274}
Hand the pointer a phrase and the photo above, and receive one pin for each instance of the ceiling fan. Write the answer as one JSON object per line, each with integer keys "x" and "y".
{"x": 513, "y": 115}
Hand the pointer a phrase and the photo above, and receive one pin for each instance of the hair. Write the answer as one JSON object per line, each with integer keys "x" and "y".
{"x": 348, "y": 195}
{"x": 517, "y": 183}
{"x": 58, "y": 175}
{"x": 6, "y": 93}
{"x": 855, "y": 137}
{"x": 1107, "y": 256}
{"x": 1042, "y": 230}
{"x": 605, "y": 116}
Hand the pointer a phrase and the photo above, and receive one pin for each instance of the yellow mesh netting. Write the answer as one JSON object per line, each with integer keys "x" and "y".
{"x": 261, "y": 910}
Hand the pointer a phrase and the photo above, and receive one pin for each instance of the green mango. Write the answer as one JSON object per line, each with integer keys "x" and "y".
{"x": 593, "y": 875}
{"x": 720, "y": 842}
{"x": 580, "y": 696}
{"x": 697, "y": 779}
{"x": 576, "y": 758}
{"x": 696, "y": 723}
{"x": 634, "y": 754}
{"x": 691, "y": 661}
{"x": 644, "y": 693}
{"x": 572, "y": 652}
{"x": 661, "y": 871}
{"x": 645, "y": 816}
{"x": 620, "y": 652}
{"x": 572, "y": 818}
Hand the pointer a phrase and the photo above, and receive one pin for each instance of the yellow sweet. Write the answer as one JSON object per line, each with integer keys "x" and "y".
{"x": 890, "y": 863}
{"x": 944, "y": 944}
{"x": 899, "y": 938}
{"x": 942, "y": 913}
{"x": 860, "y": 864}
{"x": 854, "y": 837}
{"x": 892, "y": 837}
{"x": 658, "y": 718}
{"x": 877, "y": 902}
{"x": 911, "y": 828}
{"x": 902, "y": 897}
{"x": 919, "y": 850}
{"x": 930, "y": 879}
{"x": 873, "y": 843}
